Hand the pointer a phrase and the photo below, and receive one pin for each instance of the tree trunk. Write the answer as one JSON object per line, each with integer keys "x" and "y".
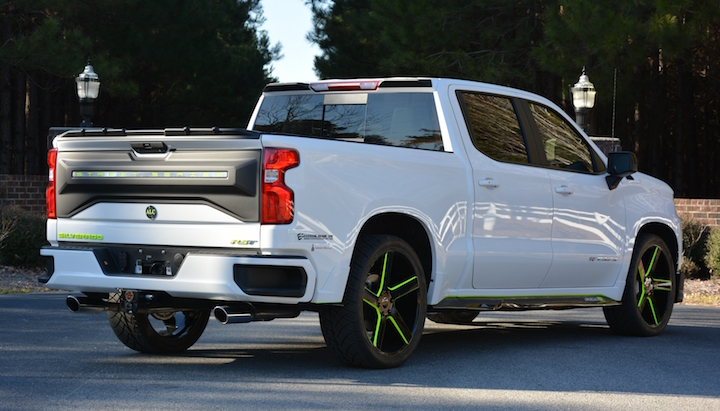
{"x": 5, "y": 115}
{"x": 69, "y": 108}
{"x": 19, "y": 97}
{"x": 34, "y": 153}
{"x": 689, "y": 143}
{"x": 640, "y": 114}
{"x": 46, "y": 99}
{"x": 656, "y": 113}
{"x": 680, "y": 129}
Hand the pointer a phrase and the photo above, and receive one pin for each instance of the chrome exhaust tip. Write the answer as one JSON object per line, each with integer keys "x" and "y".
{"x": 83, "y": 304}
{"x": 232, "y": 315}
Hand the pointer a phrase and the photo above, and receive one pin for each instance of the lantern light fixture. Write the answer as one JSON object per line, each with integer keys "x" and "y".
{"x": 88, "y": 90}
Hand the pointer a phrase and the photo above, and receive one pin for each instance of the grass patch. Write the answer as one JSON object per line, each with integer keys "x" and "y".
{"x": 5, "y": 291}
{"x": 25, "y": 290}
{"x": 701, "y": 299}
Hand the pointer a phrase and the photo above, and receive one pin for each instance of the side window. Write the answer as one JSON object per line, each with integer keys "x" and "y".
{"x": 494, "y": 127}
{"x": 403, "y": 120}
{"x": 298, "y": 115}
{"x": 564, "y": 147}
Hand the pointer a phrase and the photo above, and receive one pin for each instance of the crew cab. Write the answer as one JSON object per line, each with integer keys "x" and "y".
{"x": 375, "y": 202}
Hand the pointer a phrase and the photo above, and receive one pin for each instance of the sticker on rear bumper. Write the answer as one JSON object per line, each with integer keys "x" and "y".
{"x": 312, "y": 236}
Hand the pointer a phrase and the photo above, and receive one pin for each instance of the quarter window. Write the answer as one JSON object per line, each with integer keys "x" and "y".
{"x": 494, "y": 127}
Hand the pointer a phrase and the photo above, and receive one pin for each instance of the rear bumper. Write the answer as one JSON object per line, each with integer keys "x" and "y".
{"x": 201, "y": 276}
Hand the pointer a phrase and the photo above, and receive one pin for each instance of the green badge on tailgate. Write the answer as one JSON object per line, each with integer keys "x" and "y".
{"x": 151, "y": 212}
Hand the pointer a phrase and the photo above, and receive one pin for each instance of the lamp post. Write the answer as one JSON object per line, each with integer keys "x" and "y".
{"x": 88, "y": 89}
{"x": 583, "y": 93}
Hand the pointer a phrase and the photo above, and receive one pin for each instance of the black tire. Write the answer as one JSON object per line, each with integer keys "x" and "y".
{"x": 649, "y": 295}
{"x": 383, "y": 313}
{"x": 453, "y": 317}
{"x": 159, "y": 333}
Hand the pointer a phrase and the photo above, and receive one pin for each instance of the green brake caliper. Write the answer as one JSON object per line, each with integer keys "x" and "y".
{"x": 383, "y": 302}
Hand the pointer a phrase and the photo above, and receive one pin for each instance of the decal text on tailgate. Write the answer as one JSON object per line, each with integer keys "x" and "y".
{"x": 71, "y": 236}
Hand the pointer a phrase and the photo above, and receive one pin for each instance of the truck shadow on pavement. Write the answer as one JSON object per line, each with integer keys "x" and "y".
{"x": 503, "y": 353}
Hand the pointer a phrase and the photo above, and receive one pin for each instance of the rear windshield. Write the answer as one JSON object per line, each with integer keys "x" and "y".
{"x": 394, "y": 119}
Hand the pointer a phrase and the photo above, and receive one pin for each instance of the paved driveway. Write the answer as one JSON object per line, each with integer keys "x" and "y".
{"x": 53, "y": 359}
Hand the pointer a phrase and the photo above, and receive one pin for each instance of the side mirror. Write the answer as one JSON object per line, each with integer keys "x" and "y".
{"x": 620, "y": 165}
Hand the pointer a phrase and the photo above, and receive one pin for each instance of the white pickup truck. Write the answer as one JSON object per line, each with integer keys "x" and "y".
{"x": 375, "y": 202}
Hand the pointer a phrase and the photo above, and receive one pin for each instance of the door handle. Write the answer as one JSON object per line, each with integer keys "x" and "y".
{"x": 563, "y": 189}
{"x": 489, "y": 183}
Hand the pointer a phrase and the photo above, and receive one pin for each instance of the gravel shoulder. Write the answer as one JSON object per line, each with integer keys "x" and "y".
{"x": 21, "y": 280}
{"x": 702, "y": 292}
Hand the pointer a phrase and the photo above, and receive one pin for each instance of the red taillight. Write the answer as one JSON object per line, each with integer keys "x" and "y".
{"x": 278, "y": 200}
{"x": 50, "y": 191}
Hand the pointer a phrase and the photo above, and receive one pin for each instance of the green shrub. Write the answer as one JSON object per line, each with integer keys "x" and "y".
{"x": 694, "y": 235}
{"x": 712, "y": 257}
{"x": 22, "y": 233}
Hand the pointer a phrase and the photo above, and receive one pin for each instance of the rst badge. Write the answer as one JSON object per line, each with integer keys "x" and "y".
{"x": 151, "y": 212}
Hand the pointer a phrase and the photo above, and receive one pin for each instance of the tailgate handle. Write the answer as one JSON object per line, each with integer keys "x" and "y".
{"x": 151, "y": 147}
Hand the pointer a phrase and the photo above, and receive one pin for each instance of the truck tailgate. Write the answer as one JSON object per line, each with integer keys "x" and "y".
{"x": 158, "y": 188}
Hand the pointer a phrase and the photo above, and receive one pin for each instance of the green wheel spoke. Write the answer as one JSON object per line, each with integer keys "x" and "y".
{"x": 641, "y": 271}
{"x": 380, "y": 334}
{"x": 402, "y": 328}
{"x": 377, "y": 336}
{"x": 405, "y": 288}
{"x": 651, "y": 267}
{"x": 652, "y": 310}
{"x": 386, "y": 268}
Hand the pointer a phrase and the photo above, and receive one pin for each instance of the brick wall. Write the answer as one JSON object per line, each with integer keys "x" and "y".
{"x": 27, "y": 192}
{"x": 705, "y": 211}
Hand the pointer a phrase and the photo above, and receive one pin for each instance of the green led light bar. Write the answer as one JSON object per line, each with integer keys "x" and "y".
{"x": 150, "y": 174}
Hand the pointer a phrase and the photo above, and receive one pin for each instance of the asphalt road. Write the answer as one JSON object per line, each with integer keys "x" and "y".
{"x": 53, "y": 359}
